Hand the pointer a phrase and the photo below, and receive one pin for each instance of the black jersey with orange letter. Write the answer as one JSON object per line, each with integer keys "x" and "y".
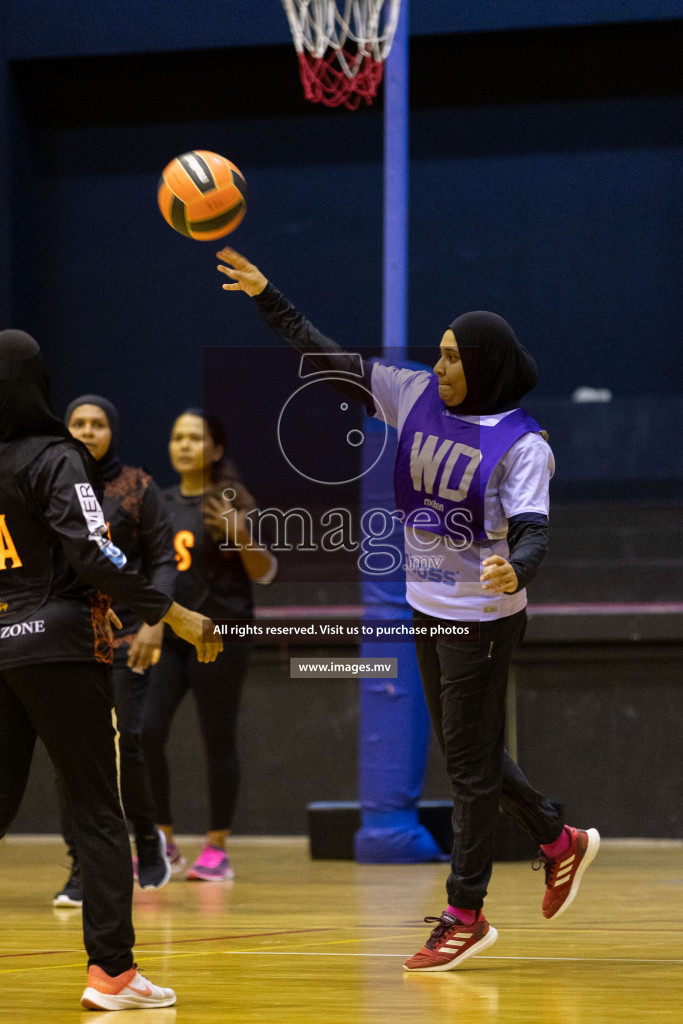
{"x": 58, "y": 567}
{"x": 211, "y": 577}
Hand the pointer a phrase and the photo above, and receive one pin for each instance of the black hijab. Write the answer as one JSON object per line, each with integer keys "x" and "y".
{"x": 109, "y": 465}
{"x": 498, "y": 369}
{"x": 25, "y": 409}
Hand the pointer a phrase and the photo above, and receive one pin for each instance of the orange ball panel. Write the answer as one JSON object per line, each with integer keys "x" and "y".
{"x": 213, "y": 203}
{"x": 217, "y": 227}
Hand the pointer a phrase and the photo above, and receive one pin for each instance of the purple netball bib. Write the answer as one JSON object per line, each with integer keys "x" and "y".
{"x": 444, "y": 464}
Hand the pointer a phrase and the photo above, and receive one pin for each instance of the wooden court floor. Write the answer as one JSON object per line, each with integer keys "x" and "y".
{"x": 293, "y": 940}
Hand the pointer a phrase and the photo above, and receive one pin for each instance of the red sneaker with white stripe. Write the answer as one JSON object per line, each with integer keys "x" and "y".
{"x": 563, "y": 873}
{"x": 451, "y": 942}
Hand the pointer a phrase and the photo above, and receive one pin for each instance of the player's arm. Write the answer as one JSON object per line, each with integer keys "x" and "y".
{"x": 528, "y": 543}
{"x": 196, "y": 629}
{"x": 155, "y": 539}
{"x": 73, "y": 513}
{"x": 226, "y": 521}
{"x": 528, "y": 467}
{"x": 292, "y": 327}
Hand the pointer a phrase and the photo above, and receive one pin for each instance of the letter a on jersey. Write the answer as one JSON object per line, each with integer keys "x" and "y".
{"x": 8, "y": 549}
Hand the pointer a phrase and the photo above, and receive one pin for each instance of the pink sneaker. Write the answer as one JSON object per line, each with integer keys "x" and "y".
{"x": 212, "y": 865}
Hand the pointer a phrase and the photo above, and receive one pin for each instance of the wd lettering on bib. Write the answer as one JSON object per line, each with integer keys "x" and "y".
{"x": 425, "y": 463}
{"x": 444, "y": 463}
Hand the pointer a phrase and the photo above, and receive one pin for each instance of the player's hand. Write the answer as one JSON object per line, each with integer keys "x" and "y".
{"x": 247, "y": 277}
{"x": 111, "y": 621}
{"x": 218, "y": 524}
{"x": 196, "y": 629}
{"x": 145, "y": 649}
{"x": 224, "y": 527}
{"x": 498, "y": 576}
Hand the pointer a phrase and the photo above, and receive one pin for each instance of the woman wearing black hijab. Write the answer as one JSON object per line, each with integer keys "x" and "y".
{"x": 57, "y": 565}
{"x": 471, "y": 480}
{"x": 140, "y": 527}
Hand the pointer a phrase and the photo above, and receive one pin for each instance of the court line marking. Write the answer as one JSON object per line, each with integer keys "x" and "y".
{"x": 185, "y": 942}
{"x": 395, "y": 956}
{"x": 572, "y": 959}
{"x": 50, "y": 967}
{"x": 35, "y": 952}
{"x": 249, "y": 935}
{"x": 149, "y": 946}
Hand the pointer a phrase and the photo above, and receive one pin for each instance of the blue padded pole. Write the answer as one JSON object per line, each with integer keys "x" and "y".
{"x": 396, "y": 158}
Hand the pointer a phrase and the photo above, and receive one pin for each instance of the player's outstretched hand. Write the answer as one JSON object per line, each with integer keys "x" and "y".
{"x": 247, "y": 277}
{"x": 196, "y": 629}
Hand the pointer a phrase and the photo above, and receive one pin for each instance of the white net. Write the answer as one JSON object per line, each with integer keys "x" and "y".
{"x": 342, "y": 46}
{"x": 319, "y": 25}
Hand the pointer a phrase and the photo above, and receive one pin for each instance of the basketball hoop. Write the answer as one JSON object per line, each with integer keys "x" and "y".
{"x": 342, "y": 51}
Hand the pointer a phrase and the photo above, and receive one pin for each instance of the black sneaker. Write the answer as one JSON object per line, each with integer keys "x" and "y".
{"x": 152, "y": 864}
{"x": 72, "y": 893}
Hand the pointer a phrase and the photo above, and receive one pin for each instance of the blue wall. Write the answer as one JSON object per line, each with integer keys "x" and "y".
{"x": 46, "y": 28}
{"x": 547, "y": 190}
{"x": 5, "y": 194}
{"x": 563, "y": 218}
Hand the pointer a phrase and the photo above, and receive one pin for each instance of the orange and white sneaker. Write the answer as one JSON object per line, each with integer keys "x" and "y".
{"x": 127, "y": 991}
{"x": 451, "y": 942}
{"x": 563, "y": 873}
